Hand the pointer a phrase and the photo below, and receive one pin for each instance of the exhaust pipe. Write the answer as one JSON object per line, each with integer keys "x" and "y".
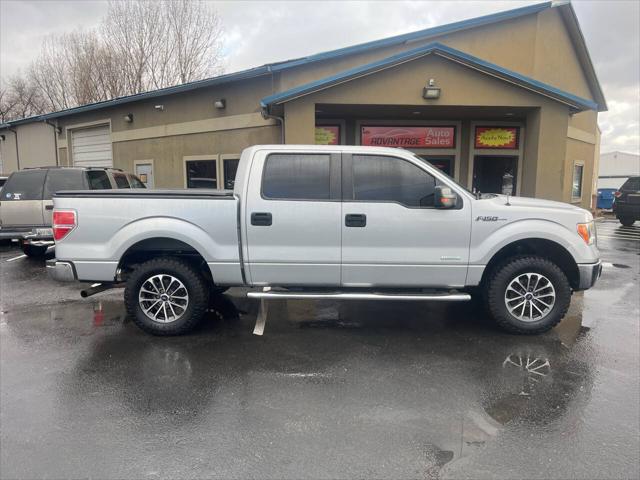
{"x": 99, "y": 287}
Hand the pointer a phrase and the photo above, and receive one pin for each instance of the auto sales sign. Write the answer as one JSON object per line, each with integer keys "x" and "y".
{"x": 408, "y": 137}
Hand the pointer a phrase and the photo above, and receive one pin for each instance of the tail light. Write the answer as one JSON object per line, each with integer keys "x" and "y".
{"x": 618, "y": 194}
{"x": 64, "y": 221}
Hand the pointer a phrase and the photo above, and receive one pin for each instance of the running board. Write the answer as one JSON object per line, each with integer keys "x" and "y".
{"x": 437, "y": 297}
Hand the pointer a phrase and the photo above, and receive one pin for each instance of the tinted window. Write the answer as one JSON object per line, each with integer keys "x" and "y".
{"x": 390, "y": 179}
{"x": 297, "y": 176}
{"x": 135, "y": 182}
{"x": 98, "y": 180}
{"x": 121, "y": 180}
{"x": 24, "y": 185}
{"x": 202, "y": 174}
{"x": 62, "y": 179}
{"x": 632, "y": 184}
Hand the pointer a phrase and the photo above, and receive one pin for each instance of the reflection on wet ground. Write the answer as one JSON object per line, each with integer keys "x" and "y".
{"x": 351, "y": 389}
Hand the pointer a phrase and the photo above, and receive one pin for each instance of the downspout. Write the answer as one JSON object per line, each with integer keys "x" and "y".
{"x": 55, "y": 138}
{"x": 265, "y": 110}
{"x": 15, "y": 132}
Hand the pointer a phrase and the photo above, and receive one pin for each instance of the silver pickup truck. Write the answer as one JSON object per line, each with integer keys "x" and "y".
{"x": 327, "y": 222}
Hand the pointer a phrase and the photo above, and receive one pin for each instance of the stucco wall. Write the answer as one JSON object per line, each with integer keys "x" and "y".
{"x": 36, "y": 147}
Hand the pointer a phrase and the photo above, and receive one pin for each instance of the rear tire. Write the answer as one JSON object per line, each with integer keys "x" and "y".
{"x": 36, "y": 251}
{"x": 539, "y": 283}
{"x": 627, "y": 221}
{"x": 166, "y": 296}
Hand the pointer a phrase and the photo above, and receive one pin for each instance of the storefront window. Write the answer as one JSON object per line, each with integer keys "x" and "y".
{"x": 576, "y": 189}
{"x": 201, "y": 174}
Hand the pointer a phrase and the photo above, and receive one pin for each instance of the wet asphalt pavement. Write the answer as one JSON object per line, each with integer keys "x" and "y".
{"x": 333, "y": 390}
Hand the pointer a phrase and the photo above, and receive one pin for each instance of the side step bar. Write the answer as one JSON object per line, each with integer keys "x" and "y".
{"x": 438, "y": 297}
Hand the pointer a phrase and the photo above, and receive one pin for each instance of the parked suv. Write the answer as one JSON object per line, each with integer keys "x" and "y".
{"x": 26, "y": 205}
{"x": 626, "y": 204}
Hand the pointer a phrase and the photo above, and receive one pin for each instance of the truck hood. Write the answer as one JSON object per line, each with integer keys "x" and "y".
{"x": 536, "y": 203}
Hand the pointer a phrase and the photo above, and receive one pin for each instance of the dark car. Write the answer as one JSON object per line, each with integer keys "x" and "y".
{"x": 626, "y": 204}
{"x": 3, "y": 180}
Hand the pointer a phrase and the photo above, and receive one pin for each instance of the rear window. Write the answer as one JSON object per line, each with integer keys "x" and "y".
{"x": 121, "y": 180}
{"x": 299, "y": 176}
{"x": 98, "y": 180}
{"x": 135, "y": 182}
{"x": 24, "y": 185}
{"x": 62, "y": 179}
{"x": 632, "y": 184}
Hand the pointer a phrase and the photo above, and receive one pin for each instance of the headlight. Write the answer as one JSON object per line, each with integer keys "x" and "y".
{"x": 588, "y": 232}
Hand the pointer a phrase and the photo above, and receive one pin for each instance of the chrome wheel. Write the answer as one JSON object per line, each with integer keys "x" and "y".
{"x": 163, "y": 298}
{"x": 530, "y": 297}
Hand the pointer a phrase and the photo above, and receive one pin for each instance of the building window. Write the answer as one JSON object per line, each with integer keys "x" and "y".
{"x": 297, "y": 177}
{"x": 390, "y": 179}
{"x": 576, "y": 189}
{"x": 201, "y": 174}
{"x": 229, "y": 170}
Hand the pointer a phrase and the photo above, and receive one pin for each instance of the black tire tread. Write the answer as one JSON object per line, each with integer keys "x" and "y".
{"x": 626, "y": 221}
{"x": 200, "y": 295}
{"x": 35, "y": 251}
{"x": 494, "y": 297}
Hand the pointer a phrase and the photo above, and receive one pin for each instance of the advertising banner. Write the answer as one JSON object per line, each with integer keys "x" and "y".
{"x": 408, "y": 137}
{"x": 497, "y": 137}
{"x": 327, "y": 134}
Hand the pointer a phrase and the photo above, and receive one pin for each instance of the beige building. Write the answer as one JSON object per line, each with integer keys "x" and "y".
{"x": 505, "y": 103}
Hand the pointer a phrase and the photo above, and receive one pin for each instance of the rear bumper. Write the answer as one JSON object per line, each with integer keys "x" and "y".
{"x": 627, "y": 209}
{"x": 589, "y": 274}
{"x": 33, "y": 235}
{"x": 61, "y": 271}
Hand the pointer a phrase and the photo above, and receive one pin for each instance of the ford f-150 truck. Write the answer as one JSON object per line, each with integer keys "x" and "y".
{"x": 327, "y": 222}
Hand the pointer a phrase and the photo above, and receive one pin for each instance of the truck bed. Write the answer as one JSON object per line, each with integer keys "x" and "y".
{"x": 111, "y": 222}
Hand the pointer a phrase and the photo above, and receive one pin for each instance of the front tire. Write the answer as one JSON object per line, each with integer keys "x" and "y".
{"x": 527, "y": 295}
{"x": 36, "y": 251}
{"x": 166, "y": 296}
{"x": 627, "y": 221}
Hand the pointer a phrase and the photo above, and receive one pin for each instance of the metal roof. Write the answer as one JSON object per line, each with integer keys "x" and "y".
{"x": 575, "y": 102}
{"x": 386, "y": 42}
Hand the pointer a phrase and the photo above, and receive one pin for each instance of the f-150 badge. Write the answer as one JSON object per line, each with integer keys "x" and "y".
{"x": 490, "y": 219}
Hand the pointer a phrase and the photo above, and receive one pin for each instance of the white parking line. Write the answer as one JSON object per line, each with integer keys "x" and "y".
{"x": 15, "y": 258}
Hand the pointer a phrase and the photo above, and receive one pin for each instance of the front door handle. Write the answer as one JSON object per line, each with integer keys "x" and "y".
{"x": 355, "y": 220}
{"x": 261, "y": 219}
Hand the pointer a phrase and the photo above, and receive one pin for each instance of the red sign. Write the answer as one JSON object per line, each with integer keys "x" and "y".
{"x": 327, "y": 134}
{"x": 409, "y": 137}
{"x": 497, "y": 137}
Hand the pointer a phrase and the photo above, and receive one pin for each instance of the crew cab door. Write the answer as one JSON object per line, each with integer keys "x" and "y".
{"x": 292, "y": 219}
{"x": 392, "y": 234}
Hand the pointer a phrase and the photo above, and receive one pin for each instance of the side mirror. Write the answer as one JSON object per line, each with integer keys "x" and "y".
{"x": 445, "y": 197}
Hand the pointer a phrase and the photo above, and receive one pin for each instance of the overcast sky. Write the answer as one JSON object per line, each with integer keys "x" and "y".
{"x": 261, "y": 32}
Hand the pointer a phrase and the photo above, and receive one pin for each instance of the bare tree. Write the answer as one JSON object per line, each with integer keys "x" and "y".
{"x": 141, "y": 45}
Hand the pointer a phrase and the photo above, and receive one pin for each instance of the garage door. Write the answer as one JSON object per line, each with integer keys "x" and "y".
{"x": 92, "y": 147}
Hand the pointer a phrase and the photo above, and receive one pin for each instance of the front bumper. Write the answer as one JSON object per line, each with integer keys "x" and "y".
{"x": 589, "y": 274}
{"x": 61, "y": 271}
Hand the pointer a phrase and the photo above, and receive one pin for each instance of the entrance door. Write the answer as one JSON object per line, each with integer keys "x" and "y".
{"x": 144, "y": 171}
{"x": 495, "y": 174}
{"x": 392, "y": 236}
{"x": 292, "y": 218}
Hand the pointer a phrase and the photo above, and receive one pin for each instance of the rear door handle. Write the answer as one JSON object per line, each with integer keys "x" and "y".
{"x": 261, "y": 219}
{"x": 355, "y": 220}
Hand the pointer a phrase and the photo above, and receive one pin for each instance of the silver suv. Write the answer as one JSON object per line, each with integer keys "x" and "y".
{"x": 26, "y": 205}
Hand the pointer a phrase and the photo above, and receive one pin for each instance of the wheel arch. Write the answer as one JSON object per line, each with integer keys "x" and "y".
{"x": 542, "y": 247}
{"x": 162, "y": 246}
